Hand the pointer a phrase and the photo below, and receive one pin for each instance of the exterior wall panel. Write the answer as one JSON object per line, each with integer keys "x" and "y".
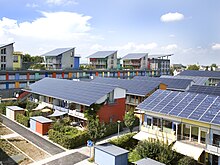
{"x": 32, "y": 124}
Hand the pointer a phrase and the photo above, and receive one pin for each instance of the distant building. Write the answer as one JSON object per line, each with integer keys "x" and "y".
{"x": 61, "y": 58}
{"x": 6, "y": 56}
{"x": 135, "y": 60}
{"x": 104, "y": 60}
{"x": 160, "y": 63}
{"x": 17, "y": 60}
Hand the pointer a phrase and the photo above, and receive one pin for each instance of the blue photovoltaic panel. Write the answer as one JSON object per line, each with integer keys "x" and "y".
{"x": 210, "y": 90}
{"x": 133, "y": 87}
{"x": 212, "y": 74}
{"x": 101, "y": 54}
{"x": 85, "y": 93}
{"x": 57, "y": 52}
{"x": 216, "y": 120}
{"x": 175, "y": 84}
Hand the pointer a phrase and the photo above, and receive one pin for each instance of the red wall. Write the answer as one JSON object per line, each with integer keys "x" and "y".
{"x": 115, "y": 110}
{"x": 42, "y": 128}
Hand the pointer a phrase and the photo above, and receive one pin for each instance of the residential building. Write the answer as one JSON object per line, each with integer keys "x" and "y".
{"x": 6, "y": 56}
{"x": 76, "y": 61}
{"x": 74, "y": 97}
{"x": 172, "y": 84}
{"x": 61, "y": 58}
{"x": 214, "y": 76}
{"x": 17, "y": 60}
{"x": 104, "y": 60}
{"x": 136, "y": 91}
{"x": 135, "y": 61}
{"x": 160, "y": 63}
{"x": 190, "y": 121}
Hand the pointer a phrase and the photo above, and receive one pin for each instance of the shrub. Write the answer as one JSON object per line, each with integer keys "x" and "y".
{"x": 20, "y": 118}
{"x": 4, "y": 104}
{"x": 112, "y": 128}
{"x": 125, "y": 141}
{"x": 186, "y": 161}
{"x": 31, "y": 105}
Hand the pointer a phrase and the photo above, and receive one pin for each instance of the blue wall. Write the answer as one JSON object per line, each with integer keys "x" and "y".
{"x": 76, "y": 62}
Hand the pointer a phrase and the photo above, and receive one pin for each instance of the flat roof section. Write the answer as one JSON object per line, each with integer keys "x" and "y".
{"x": 15, "y": 108}
{"x": 112, "y": 149}
{"x": 41, "y": 119}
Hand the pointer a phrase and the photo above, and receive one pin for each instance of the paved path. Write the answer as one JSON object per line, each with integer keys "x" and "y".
{"x": 34, "y": 138}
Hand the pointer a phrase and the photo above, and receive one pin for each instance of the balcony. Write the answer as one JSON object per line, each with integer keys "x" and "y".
{"x": 132, "y": 64}
{"x": 213, "y": 148}
{"x": 77, "y": 114}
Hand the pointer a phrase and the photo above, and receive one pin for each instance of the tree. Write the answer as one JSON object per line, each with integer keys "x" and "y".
{"x": 27, "y": 58}
{"x": 193, "y": 67}
{"x": 129, "y": 120}
{"x": 96, "y": 130}
{"x": 214, "y": 66}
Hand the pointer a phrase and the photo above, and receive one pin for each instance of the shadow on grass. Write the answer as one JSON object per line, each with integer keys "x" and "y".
{"x": 6, "y": 159}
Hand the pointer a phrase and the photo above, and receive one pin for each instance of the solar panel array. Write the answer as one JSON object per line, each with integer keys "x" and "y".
{"x": 85, "y": 93}
{"x": 196, "y": 80}
{"x": 134, "y": 87}
{"x": 210, "y": 90}
{"x": 218, "y": 84}
{"x": 175, "y": 84}
{"x": 194, "y": 106}
{"x": 213, "y": 74}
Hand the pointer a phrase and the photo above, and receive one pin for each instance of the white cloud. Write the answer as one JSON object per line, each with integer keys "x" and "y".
{"x": 33, "y": 5}
{"x": 61, "y": 2}
{"x": 170, "y": 47}
{"x": 170, "y": 17}
{"x": 172, "y": 35}
{"x": 216, "y": 47}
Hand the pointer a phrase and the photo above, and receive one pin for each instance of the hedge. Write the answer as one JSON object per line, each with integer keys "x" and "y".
{"x": 112, "y": 128}
{"x": 68, "y": 141}
{"x": 20, "y": 118}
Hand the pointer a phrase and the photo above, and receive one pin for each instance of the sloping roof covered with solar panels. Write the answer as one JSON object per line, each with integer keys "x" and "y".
{"x": 210, "y": 74}
{"x": 85, "y": 93}
{"x": 131, "y": 56}
{"x": 172, "y": 84}
{"x": 187, "y": 105}
{"x": 57, "y": 52}
{"x": 210, "y": 90}
{"x": 102, "y": 54}
{"x": 133, "y": 87}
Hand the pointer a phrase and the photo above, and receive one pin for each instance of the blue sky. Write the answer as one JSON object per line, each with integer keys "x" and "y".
{"x": 189, "y": 29}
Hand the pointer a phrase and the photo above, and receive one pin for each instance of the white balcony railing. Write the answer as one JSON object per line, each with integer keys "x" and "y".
{"x": 212, "y": 148}
{"x": 75, "y": 113}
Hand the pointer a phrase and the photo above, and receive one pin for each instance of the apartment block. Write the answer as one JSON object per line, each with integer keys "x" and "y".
{"x": 6, "y": 56}
{"x": 17, "y": 60}
{"x": 136, "y": 61}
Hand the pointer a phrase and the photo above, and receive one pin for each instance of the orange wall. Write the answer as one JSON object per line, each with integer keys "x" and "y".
{"x": 42, "y": 128}
{"x": 163, "y": 86}
{"x": 115, "y": 110}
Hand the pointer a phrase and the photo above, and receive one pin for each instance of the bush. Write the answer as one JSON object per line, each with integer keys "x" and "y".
{"x": 125, "y": 141}
{"x": 20, "y": 118}
{"x": 186, "y": 161}
{"x": 112, "y": 128}
{"x": 4, "y": 104}
{"x": 31, "y": 105}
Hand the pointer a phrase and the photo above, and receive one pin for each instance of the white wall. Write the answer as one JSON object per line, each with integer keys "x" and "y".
{"x": 119, "y": 93}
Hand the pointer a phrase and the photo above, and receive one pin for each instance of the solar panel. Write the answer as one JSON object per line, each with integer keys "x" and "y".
{"x": 211, "y": 74}
{"x": 211, "y": 90}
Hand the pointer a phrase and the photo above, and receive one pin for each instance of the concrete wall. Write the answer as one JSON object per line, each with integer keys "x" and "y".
{"x": 144, "y": 62}
{"x": 9, "y": 56}
{"x": 67, "y": 60}
{"x": 109, "y": 59}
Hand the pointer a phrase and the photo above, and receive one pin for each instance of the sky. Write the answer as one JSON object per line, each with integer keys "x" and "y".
{"x": 188, "y": 29}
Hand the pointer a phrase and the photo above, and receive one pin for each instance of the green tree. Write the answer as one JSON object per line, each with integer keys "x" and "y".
{"x": 96, "y": 130}
{"x": 214, "y": 66}
{"x": 27, "y": 58}
{"x": 193, "y": 67}
{"x": 129, "y": 120}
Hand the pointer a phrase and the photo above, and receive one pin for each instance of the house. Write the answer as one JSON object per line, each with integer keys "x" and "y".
{"x": 135, "y": 61}
{"x": 172, "y": 84}
{"x": 74, "y": 97}
{"x": 214, "y": 76}
{"x": 61, "y": 58}
{"x": 190, "y": 121}
{"x": 17, "y": 60}
{"x": 104, "y": 60}
{"x": 6, "y": 56}
{"x": 159, "y": 63}
{"x": 136, "y": 91}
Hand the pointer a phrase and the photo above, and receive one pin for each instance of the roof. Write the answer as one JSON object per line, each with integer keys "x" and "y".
{"x": 41, "y": 119}
{"x": 3, "y": 45}
{"x": 134, "y": 56}
{"x": 218, "y": 84}
{"x": 148, "y": 161}
{"x": 57, "y": 51}
{"x": 210, "y": 90}
{"x": 101, "y": 54}
{"x": 133, "y": 87}
{"x": 112, "y": 149}
{"x": 199, "y": 107}
{"x": 172, "y": 84}
{"x": 15, "y": 108}
{"x": 210, "y": 74}
{"x": 85, "y": 93}
{"x": 196, "y": 80}
{"x": 159, "y": 55}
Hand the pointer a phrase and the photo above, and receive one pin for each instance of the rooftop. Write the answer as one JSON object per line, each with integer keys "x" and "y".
{"x": 210, "y": 90}
{"x": 101, "y": 54}
{"x": 41, "y": 119}
{"x": 3, "y": 45}
{"x": 111, "y": 149}
{"x": 148, "y": 161}
{"x": 134, "y": 56}
{"x": 15, "y": 108}
{"x": 57, "y": 52}
{"x": 210, "y": 74}
{"x": 159, "y": 55}
{"x": 85, "y": 93}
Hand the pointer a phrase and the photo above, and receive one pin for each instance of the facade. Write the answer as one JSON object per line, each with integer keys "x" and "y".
{"x": 76, "y": 62}
{"x": 188, "y": 120}
{"x": 61, "y": 58}
{"x": 17, "y": 60}
{"x": 108, "y": 154}
{"x": 40, "y": 124}
{"x": 12, "y": 111}
{"x": 136, "y": 61}
{"x": 159, "y": 62}
{"x": 74, "y": 97}
{"x": 6, "y": 56}
{"x": 104, "y": 60}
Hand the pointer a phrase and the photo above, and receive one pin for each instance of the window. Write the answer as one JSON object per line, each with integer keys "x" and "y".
{"x": 3, "y": 58}
{"x": 15, "y": 58}
{"x": 3, "y": 51}
{"x": 3, "y": 66}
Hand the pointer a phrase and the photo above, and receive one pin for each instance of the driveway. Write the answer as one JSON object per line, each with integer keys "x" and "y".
{"x": 32, "y": 137}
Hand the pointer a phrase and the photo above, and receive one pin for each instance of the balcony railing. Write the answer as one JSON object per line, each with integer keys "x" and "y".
{"x": 213, "y": 148}
{"x": 75, "y": 113}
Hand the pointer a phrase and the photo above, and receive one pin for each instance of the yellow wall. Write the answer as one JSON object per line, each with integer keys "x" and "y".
{"x": 206, "y": 125}
{"x": 17, "y": 65}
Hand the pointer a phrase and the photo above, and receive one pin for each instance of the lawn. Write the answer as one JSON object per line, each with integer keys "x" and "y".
{"x": 4, "y": 130}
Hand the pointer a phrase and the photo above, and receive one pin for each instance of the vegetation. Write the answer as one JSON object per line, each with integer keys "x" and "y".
{"x": 125, "y": 141}
{"x": 187, "y": 161}
{"x": 193, "y": 67}
{"x": 11, "y": 103}
{"x": 22, "y": 119}
{"x": 31, "y": 105}
{"x": 34, "y": 62}
{"x": 129, "y": 120}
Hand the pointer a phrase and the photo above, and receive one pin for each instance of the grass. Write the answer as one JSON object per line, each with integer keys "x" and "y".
{"x": 4, "y": 130}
